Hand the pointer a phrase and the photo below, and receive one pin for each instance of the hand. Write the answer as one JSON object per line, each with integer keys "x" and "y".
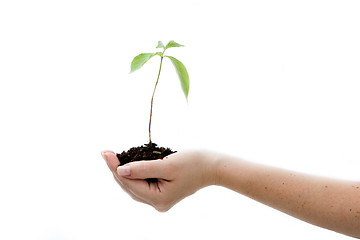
{"x": 179, "y": 175}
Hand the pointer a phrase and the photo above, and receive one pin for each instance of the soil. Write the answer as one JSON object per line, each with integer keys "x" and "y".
{"x": 146, "y": 152}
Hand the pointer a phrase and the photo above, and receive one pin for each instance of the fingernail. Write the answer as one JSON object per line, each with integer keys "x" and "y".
{"x": 103, "y": 153}
{"x": 123, "y": 170}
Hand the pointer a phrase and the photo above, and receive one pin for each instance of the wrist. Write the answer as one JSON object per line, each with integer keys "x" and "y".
{"x": 212, "y": 161}
{"x": 227, "y": 168}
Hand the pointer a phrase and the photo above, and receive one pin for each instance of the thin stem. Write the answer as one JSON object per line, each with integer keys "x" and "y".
{"x": 152, "y": 98}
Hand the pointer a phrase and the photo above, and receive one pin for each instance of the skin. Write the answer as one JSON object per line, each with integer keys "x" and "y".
{"x": 329, "y": 203}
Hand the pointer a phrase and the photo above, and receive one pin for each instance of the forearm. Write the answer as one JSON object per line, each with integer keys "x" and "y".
{"x": 328, "y": 203}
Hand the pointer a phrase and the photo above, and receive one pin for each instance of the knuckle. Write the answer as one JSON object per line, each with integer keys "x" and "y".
{"x": 170, "y": 167}
{"x": 144, "y": 165}
{"x": 161, "y": 205}
{"x": 162, "y": 209}
{"x": 139, "y": 167}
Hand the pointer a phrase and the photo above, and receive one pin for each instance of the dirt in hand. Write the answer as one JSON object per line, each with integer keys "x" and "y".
{"x": 148, "y": 151}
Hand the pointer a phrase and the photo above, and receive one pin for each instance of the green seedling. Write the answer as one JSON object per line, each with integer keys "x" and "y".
{"x": 142, "y": 58}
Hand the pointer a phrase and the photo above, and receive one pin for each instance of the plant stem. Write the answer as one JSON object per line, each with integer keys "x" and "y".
{"x": 152, "y": 98}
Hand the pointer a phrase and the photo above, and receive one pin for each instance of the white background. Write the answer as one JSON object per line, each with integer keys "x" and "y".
{"x": 275, "y": 82}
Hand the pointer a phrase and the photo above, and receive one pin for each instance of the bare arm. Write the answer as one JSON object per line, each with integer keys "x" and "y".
{"x": 328, "y": 203}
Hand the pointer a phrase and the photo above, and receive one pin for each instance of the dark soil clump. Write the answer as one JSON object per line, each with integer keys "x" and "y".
{"x": 148, "y": 151}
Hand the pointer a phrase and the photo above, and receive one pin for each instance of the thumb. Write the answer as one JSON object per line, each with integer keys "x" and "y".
{"x": 143, "y": 169}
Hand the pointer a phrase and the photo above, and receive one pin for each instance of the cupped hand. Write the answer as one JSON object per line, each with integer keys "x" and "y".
{"x": 178, "y": 176}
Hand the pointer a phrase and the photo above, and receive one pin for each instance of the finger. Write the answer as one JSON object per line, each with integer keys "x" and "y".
{"x": 105, "y": 151}
{"x": 142, "y": 189}
{"x": 103, "y": 155}
{"x": 143, "y": 170}
{"x": 111, "y": 160}
{"x": 130, "y": 193}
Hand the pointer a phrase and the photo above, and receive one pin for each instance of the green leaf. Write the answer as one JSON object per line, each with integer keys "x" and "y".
{"x": 183, "y": 75}
{"x": 160, "y": 45}
{"x": 141, "y": 59}
{"x": 173, "y": 44}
